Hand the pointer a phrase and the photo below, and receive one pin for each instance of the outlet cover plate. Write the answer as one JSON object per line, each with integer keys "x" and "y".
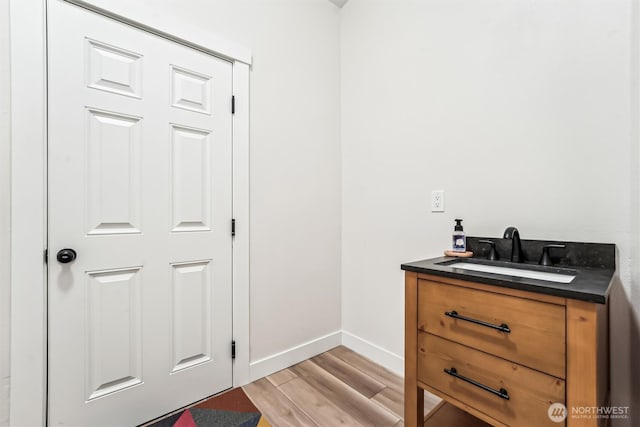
{"x": 437, "y": 201}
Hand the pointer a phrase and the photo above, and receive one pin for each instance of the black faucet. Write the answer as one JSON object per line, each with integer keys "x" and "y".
{"x": 516, "y": 247}
{"x": 493, "y": 255}
{"x": 545, "y": 259}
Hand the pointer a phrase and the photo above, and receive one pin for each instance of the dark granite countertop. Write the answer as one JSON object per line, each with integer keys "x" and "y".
{"x": 591, "y": 283}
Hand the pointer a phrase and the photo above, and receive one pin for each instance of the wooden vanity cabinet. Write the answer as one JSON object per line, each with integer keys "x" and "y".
{"x": 523, "y": 350}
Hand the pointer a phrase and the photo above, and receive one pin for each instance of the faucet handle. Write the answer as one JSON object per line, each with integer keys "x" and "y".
{"x": 493, "y": 255}
{"x": 545, "y": 259}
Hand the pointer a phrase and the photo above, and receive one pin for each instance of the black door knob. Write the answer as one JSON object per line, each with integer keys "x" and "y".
{"x": 66, "y": 255}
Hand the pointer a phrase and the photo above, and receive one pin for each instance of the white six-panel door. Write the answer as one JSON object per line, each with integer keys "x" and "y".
{"x": 140, "y": 152}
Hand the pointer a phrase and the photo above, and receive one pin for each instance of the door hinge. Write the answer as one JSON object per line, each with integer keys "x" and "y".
{"x": 233, "y": 349}
{"x": 233, "y": 227}
{"x": 46, "y": 256}
{"x": 233, "y": 104}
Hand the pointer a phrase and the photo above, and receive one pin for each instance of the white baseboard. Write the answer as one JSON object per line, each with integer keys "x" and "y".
{"x": 276, "y": 362}
{"x": 379, "y": 355}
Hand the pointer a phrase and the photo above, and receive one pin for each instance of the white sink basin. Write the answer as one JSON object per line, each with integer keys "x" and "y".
{"x": 517, "y": 272}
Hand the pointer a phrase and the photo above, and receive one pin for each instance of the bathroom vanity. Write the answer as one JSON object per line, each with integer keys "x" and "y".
{"x": 503, "y": 347}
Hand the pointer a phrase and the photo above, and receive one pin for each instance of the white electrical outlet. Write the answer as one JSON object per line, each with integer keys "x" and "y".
{"x": 437, "y": 201}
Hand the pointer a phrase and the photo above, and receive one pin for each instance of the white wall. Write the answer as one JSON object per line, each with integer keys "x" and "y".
{"x": 5, "y": 209}
{"x": 457, "y": 95}
{"x": 633, "y": 310}
{"x": 520, "y": 111}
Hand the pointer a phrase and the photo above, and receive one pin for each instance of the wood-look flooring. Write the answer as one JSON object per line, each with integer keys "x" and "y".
{"x": 336, "y": 388}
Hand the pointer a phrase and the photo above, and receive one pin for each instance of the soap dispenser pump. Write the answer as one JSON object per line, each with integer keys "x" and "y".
{"x": 459, "y": 239}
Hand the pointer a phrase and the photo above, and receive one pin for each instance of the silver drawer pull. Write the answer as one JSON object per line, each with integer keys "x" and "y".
{"x": 500, "y": 393}
{"x": 502, "y": 328}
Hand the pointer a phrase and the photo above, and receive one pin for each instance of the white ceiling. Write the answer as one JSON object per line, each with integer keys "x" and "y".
{"x": 339, "y": 3}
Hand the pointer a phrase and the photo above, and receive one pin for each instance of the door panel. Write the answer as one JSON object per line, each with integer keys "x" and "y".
{"x": 140, "y": 155}
{"x": 113, "y": 69}
{"x": 114, "y": 339}
{"x": 191, "y": 179}
{"x": 113, "y": 173}
{"x": 191, "y": 315}
{"x": 190, "y": 90}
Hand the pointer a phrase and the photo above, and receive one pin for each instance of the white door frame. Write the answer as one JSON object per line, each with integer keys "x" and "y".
{"x": 28, "y": 404}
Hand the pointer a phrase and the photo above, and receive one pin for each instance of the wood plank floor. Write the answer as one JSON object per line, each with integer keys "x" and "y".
{"x": 336, "y": 388}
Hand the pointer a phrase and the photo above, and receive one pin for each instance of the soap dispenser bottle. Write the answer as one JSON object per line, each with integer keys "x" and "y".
{"x": 459, "y": 239}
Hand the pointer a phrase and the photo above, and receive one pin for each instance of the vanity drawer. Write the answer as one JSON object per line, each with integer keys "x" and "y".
{"x": 533, "y": 334}
{"x": 530, "y": 393}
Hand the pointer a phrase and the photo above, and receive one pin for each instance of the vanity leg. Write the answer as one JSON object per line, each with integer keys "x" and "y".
{"x": 587, "y": 360}
{"x": 413, "y": 395}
